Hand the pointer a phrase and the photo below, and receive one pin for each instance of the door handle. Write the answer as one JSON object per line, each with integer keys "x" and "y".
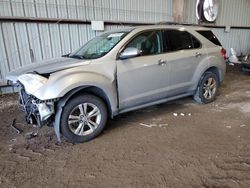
{"x": 198, "y": 54}
{"x": 162, "y": 62}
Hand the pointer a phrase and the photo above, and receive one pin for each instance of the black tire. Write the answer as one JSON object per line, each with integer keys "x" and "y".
{"x": 71, "y": 107}
{"x": 200, "y": 91}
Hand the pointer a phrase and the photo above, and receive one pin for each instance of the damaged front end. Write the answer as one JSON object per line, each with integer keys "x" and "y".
{"x": 37, "y": 112}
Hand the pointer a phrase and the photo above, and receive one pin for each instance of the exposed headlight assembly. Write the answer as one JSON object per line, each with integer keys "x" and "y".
{"x": 45, "y": 110}
{"x": 32, "y": 82}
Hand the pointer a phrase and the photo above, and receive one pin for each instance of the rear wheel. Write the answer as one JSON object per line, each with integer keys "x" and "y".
{"x": 207, "y": 89}
{"x": 83, "y": 118}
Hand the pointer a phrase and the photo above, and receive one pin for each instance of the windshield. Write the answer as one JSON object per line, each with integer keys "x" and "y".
{"x": 98, "y": 46}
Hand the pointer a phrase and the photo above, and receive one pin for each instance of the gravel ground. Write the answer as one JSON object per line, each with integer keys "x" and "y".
{"x": 203, "y": 146}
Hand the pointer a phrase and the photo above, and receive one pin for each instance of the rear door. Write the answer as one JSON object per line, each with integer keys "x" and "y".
{"x": 184, "y": 53}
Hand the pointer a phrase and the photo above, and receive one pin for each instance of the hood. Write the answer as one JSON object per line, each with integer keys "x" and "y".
{"x": 47, "y": 67}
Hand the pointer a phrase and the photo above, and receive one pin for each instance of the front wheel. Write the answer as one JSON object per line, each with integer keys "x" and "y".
{"x": 207, "y": 89}
{"x": 83, "y": 118}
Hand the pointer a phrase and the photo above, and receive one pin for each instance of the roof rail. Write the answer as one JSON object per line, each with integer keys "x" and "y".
{"x": 177, "y": 23}
{"x": 168, "y": 23}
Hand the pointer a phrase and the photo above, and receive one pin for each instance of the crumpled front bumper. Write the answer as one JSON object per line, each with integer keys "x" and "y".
{"x": 37, "y": 111}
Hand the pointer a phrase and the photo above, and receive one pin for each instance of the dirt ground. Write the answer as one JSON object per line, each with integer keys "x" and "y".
{"x": 207, "y": 147}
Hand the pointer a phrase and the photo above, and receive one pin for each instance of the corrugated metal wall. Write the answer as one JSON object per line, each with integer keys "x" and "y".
{"x": 111, "y": 10}
{"x": 232, "y": 13}
{"x": 24, "y": 43}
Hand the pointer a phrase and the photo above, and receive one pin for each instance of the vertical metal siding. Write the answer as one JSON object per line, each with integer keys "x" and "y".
{"x": 62, "y": 9}
{"x": 25, "y": 43}
{"x": 234, "y": 13}
{"x": 237, "y": 39}
{"x": 55, "y": 40}
{"x": 231, "y": 12}
{"x": 5, "y": 8}
{"x": 4, "y": 65}
{"x": 52, "y": 8}
{"x": 109, "y": 10}
{"x": 11, "y": 45}
{"x": 81, "y": 11}
{"x": 29, "y": 8}
{"x": 34, "y": 38}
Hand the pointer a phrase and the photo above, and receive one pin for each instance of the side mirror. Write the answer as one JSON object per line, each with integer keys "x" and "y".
{"x": 130, "y": 52}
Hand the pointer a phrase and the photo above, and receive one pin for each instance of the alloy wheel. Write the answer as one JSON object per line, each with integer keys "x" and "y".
{"x": 209, "y": 88}
{"x": 84, "y": 119}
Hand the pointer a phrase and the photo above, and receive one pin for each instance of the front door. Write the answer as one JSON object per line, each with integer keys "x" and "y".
{"x": 145, "y": 78}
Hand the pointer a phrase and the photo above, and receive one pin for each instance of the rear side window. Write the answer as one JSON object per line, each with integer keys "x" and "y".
{"x": 210, "y": 36}
{"x": 179, "y": 40}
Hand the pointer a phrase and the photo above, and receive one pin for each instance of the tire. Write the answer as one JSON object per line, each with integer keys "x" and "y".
{"x": 209, "y": 82}
{"x": 83, "y": 118}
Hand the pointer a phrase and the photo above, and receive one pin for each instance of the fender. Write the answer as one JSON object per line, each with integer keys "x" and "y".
{"x": 60, "y": 107}
{"x": 65, "y": 84}
{"x": 207, "y": 63}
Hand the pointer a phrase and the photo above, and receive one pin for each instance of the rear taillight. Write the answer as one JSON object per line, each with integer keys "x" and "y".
{"x": 223, "y": 53}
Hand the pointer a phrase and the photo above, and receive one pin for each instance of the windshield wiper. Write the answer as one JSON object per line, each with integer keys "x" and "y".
{"x": 66, "y": 55}
{"x": 77, "y": 56}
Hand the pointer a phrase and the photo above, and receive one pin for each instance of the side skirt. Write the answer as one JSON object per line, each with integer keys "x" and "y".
{"x": 155, "y": 102}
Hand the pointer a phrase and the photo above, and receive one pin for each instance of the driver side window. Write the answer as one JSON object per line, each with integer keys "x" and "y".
{"x": 149, "y": 43}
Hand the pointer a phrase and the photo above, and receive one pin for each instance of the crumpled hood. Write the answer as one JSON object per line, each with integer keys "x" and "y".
{"x": 48, "y": 66}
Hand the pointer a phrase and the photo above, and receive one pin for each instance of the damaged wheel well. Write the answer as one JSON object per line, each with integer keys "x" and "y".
{"x": 214, "y": 70}
{"x": 94, "y": 91}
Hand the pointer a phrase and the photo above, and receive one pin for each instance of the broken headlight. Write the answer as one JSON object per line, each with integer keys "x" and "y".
{"x": 32, "y": 82}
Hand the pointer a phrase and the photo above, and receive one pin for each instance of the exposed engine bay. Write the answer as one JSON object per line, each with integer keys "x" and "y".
{"x": 37, "y": 112}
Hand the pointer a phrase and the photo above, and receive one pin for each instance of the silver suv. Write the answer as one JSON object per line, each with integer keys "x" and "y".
{"x": 117, "y": 72}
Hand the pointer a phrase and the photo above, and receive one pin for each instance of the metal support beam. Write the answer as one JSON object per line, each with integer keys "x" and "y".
{"x": 77, "y": 21}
